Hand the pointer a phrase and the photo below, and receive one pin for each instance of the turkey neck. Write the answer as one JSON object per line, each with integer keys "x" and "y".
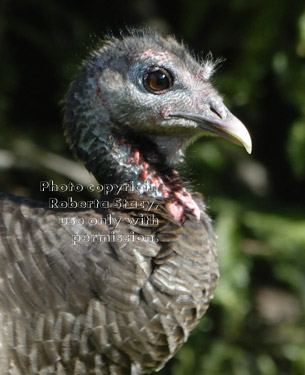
{"x": 138, "y": 165}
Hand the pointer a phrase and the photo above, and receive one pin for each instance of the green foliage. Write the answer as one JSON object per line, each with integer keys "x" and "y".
{"x": 296, "y": 147}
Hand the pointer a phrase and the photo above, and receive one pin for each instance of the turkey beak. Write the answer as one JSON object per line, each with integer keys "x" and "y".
{"x": 218, "y": 120}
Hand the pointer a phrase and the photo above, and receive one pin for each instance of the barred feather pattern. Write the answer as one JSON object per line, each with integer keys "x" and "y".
{"x": 108, "y": 308}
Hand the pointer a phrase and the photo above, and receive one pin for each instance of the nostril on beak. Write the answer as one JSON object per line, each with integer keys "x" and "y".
{"x": 215, "y": 111}
{"x": 218, "y": 109}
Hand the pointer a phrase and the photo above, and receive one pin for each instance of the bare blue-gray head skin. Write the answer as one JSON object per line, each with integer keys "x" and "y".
{"x": 142, "y": 99}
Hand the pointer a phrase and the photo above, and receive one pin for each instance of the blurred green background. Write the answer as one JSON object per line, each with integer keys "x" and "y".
{"x": 256, "y": 323}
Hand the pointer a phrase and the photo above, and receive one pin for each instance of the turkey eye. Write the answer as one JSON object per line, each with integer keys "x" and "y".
{"x": 157, "y": 81}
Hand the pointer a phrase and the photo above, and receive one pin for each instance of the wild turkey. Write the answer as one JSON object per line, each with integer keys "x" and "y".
{"x": 117, "y": 287}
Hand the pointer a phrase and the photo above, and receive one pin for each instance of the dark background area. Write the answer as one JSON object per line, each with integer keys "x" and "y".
{"x": 255, "y": 325}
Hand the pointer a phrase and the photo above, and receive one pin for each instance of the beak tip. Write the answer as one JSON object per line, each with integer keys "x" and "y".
{"x": 248, "y": 146}
{"x": 238, "y": 131}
